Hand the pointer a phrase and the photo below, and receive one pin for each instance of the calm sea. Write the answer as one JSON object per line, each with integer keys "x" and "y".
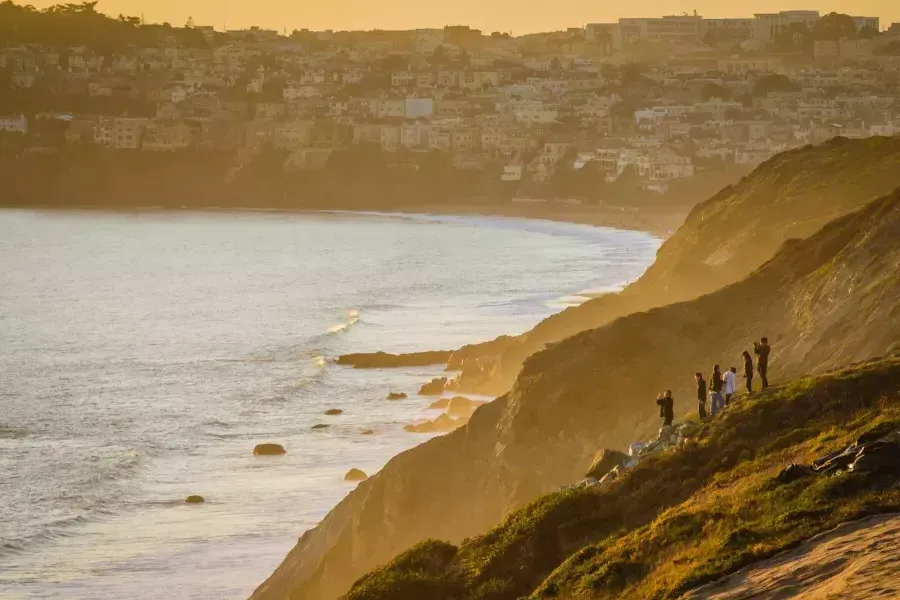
{"x": 142, "y": 356}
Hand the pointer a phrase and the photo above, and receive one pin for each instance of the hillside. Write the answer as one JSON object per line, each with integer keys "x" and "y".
{"x": 825, "y": 301}
{"x": 721, "y": 241}
{"x": 686, "y": 517}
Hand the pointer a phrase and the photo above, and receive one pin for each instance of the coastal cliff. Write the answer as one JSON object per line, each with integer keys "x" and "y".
{"x": 721, "y": 241}
{"x": 823, "y": 301}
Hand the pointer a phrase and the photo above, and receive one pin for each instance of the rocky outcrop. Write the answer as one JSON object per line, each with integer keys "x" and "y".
{"x": 829, "y": 300}
{"x": 460, "y": 407}
{"x": 441, "y": 424}
{"x": 604, "y": 462}
{"x": 320, "y": 426}
{"x": 269, "y": 450}
{"x": 355, "y": 475}
{"x": 397, "y": 396}
{"x": 194, "y": 499}
{"x": 434, "y": 387}
{"x": 333, "y": 412}
{"x": 383, "y": 360}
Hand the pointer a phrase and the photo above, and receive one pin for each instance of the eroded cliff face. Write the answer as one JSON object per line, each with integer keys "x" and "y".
{"x": 596, "y": 390}
{"x": 721, "y": 241}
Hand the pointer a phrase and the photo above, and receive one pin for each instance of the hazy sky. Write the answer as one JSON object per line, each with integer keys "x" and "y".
{"x": 490, "y": 15}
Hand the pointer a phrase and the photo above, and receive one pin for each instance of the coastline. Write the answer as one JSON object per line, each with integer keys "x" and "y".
{"x": 659, "y": 222}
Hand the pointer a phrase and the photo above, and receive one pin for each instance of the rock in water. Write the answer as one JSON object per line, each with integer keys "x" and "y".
{"x": 195, "y": 500}
{"x": 434, "y": 387}
{"x": 383, "y": 360}
{"x": 440, "y": 404}
{"x": 355, "y": 475}
{"x": 269, "y": 450}
{"x": 604, "y": 462}
{"x": 333, "y": 412}
{"x": 445, "y": 423}
{"x": 321, "y": 426}
{"x": 397, "y": 396}
{"x": 367, "y": 432}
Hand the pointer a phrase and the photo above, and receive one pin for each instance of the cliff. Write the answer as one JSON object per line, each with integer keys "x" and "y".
{"x": 823, "y": 302}
{"x": 686, "y": 518}
{"x": 721, "y": 241}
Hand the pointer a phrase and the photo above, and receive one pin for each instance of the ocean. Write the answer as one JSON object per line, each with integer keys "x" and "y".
{"x": 143, "y": 355}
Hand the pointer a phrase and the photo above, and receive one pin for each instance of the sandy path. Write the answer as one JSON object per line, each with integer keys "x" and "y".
{"x": 856, "y": 561}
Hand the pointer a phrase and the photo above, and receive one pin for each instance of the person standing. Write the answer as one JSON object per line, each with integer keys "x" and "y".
{"x": 748, "y": 372}
{"x": 701, "y": 394}
{"x": 730, "y": 384}
{"x": 762, "y": 349}
{"x": 666, "y": 407}
{"x": 716, "y": 384}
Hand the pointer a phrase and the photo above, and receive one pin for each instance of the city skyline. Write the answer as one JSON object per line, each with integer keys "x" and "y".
{"x": 497, "y": 15}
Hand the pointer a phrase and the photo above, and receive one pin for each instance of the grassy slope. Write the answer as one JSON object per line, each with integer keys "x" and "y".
{"x": 680, "y": 519}
{"x": 726, "y": 237}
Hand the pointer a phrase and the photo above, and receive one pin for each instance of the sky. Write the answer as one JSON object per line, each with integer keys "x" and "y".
{"x": 516, "y": 16}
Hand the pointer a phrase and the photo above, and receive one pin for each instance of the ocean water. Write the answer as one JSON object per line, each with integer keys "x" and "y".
{"x": 142, "y": 356}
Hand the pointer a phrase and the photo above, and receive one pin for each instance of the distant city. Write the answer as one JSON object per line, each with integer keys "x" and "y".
{"x": 663, "y": 99}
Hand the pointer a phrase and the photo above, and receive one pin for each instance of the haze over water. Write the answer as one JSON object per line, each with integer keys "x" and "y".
{"x": 143, "y": 356}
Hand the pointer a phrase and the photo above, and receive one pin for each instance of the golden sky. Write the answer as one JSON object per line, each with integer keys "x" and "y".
{"x": 517, "y": 16}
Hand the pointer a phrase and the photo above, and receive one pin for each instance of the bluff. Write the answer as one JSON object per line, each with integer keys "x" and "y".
{"x": 823, "y": 301}
{"x": 721, "y": 241}
{"x": 687, "y": 517}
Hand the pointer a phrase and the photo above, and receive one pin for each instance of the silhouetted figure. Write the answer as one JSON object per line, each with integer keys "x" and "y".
{"x": 701, "y": 395}
{"x": 730, "y": 384}
{"x": 762, "y": 349}
{"x": 748, "y": 371}
{"x": 716, "y": 385}
{"x": 666, "y": 408}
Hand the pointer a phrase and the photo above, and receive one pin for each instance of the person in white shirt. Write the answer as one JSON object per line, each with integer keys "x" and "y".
{"x": 730, "y": 379}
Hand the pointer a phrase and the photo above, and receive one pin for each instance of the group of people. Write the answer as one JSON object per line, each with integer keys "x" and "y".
{"x": 721, "y": 387}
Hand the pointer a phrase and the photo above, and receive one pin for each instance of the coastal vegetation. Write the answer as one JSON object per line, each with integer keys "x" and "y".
{"x": 681, "y": 519}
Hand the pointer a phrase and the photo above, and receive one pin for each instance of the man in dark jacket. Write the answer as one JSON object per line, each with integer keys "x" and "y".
{"x": 762, "y": 349}
{"x": 701, "y": 394}
{"x": 666, "y": 408}
{"x": 716, "y": 383}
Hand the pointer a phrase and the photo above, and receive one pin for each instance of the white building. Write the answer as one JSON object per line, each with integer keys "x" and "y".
{"x": 767, "y": 26}
{"x": 419, "y": 108}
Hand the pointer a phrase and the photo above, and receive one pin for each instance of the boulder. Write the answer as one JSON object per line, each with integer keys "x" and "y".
{"x": 397, "y": 396}
{"x": 445, "y": 423}
{"x": 463, "y": 407}
{"x": 441, "y": 404}
{"x": 794, "y": 472}
{"x": 321, "y": 426}
{"x": 666, "y": 433}
{"x": 434, "y": 387}
{"x": 195, "y": 500}
{"x": 612, "y": 475}
{"x": 426, "y": 427}
{"x": 332, "y": 412}
{"x": 355, "y": 475}
{"x": 604, "y": 462}
{"x": 367, "y": 432}
{"x": 635, "y": 448}
{"x": 877, "y": 457}
{"x": 269, "y": 450}
{"x": 631, "y": 463}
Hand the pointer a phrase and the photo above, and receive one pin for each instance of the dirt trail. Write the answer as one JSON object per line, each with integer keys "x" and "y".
{"x": 856, "y": 561}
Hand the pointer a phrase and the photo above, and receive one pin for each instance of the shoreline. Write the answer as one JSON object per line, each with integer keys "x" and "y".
{"x": 658, "y": 222}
